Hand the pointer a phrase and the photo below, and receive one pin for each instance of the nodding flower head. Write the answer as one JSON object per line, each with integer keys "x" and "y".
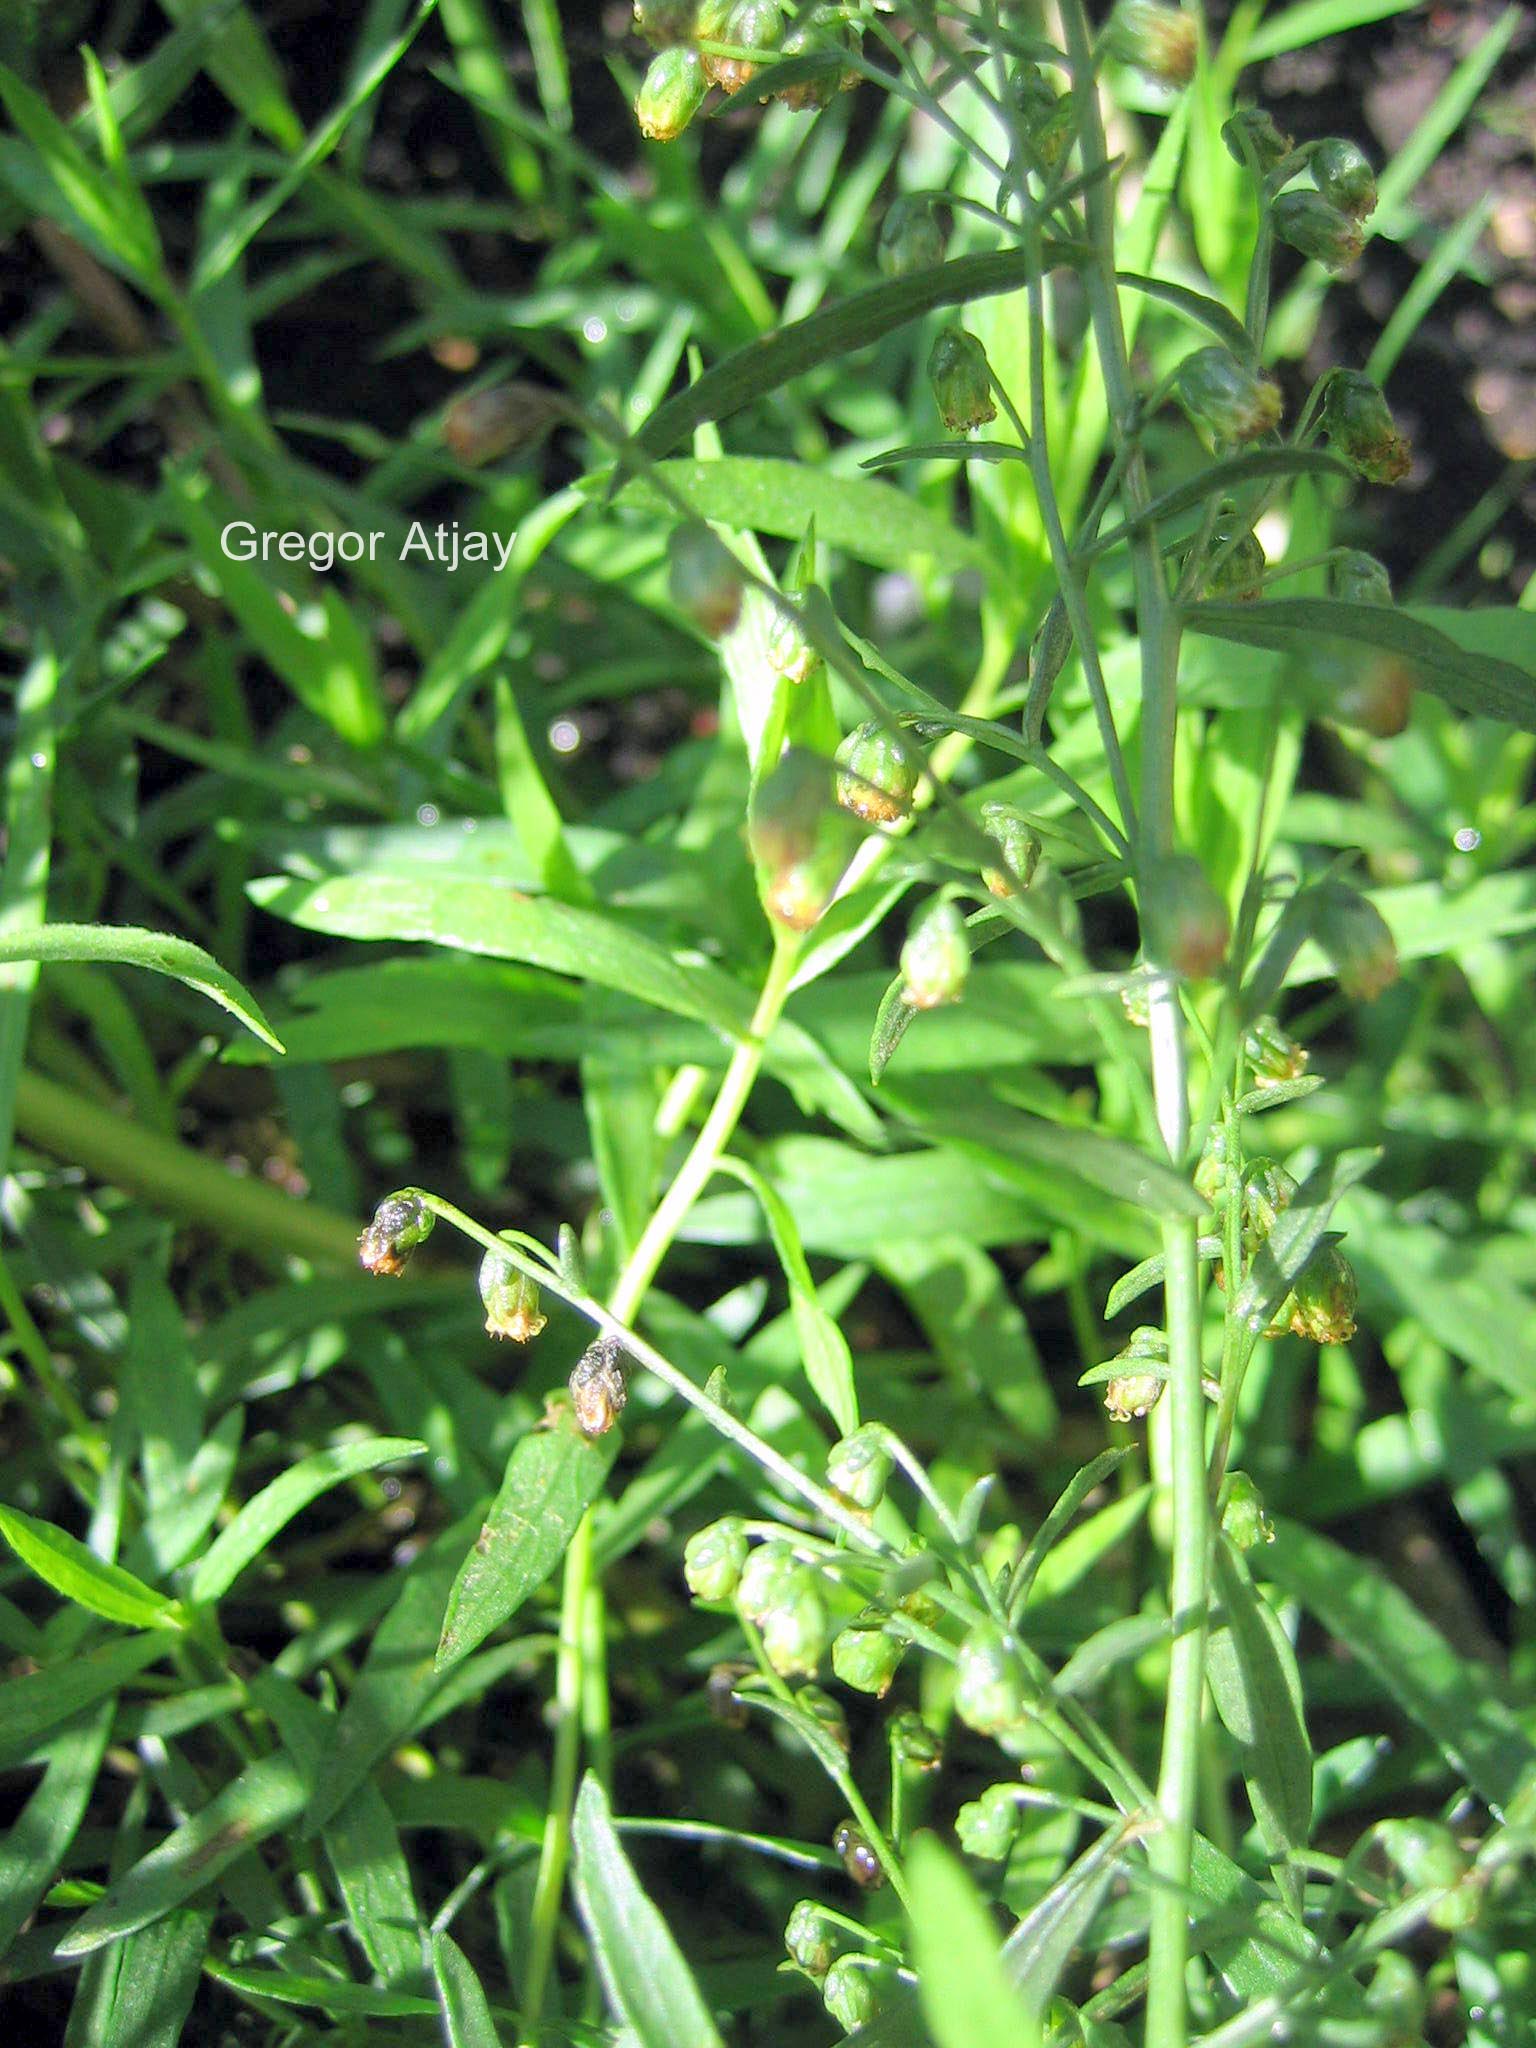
{"x": 400, "y": 1223}
{"x": 671, "y": 93}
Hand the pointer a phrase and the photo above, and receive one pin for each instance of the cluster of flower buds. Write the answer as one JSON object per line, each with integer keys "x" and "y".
{"x": 1043, "y": 120}
{"x": 815, "y": 1938}
{"x": 1134, "y": 1378}
{"x": 935, "y": 957}
{"x": 1273, "y": 1055}
{"x": 1231, "y": 399}
{"x": 1163, "y": 42}
{"x": 1017, "y": 841}
{"x": 400, "y": 1223}
{"x": 1361, "y": 430}
{"x": 859, "y": 1988}
{"x": 1184, "y": 922}
{"x": 914, "y": 1745}
{"x": 877, "y": 774}
{"x": 510, "y": 1300}
{"x": 726, "y": 43}
{"x": 1327, "y": 223}
{"x": 961, "y": 378}
{"x": 1322, "y": 1302}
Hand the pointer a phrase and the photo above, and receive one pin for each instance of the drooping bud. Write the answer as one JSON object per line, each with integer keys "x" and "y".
{"x": 1376, "y": 696}
{"x": 1222, "y": 394}
{"x": 483, "y": 425}
{"x": 1164, "y": 42}
{"x": 865, "y": 1657}
{"x": 756, "y": 26}
{"x": 1243, "y": 1518}
{"x": 664, "y": 22}
{"x": 671, "y": 93}
{"x": 1318, "y": 228}
{"x": 962, "y": 381}
{"x": 1360, "y": 429}
{"x": 859, "y": 1466}
{"x": 1358, "y": 578}
{"x": 850, "y": 1842}
{"x": 1237, "y": 563}
{"x": 795, "y": 1629}
{"x": 1136, "y": 1388}
{"x": 704, "y": 577}
{"x": 1184, "y": 922}
{"x": 1257, "y": 128}
{"x": 879, "y": 775}
{"x": 789, "y": 653}
{"x": 988, "y": 1827}
{"x": 510, "y": 1300}
{"x": 859, "y": 1988}
{"x": 1273, "y": 1054}
{"x": 910, "y": 236}
{"x": 815, "y": 1939}
{"x": 989, "y": 1686}
{"x": 713, "y": 1559}
{"x": 1324, "y": 1298}
{"x": 400, "y": 1223}
{"x": 1044, "y": 117}
{"x": 1344, "y": 176}
{"x": 1357, "y": 940}
{"x": 767, "y": 1572}
{"x": 913, "y": 1742}
{"x": 1019, "y": 844}
{"x": 597, "y": 1386}
{"x": 936, "y": 958}
{"x": 788, "y": 811}
{"x": 823, "y": 28}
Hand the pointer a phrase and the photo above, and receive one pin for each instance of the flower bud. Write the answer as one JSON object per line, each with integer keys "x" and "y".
{"x": 510, "y": 1300}
{"x": 989, "y": 1687}
{"x": 859, "y": 1859}
{"x": 1376, "y": 697}
{"x": 1222, "y": 394}
{"x": 1237, "y": 563}
{"x": 597, "y": 1386}
{"x": 822, "y": 28}
{"x": 795, "y": 1633}
{"x": 1344, "y": 177}
{"x": 789, "y": 653}
{"x": 1184, "y": 922}
{"x": 865, "y": 1657}
{"x": 936, "y": 958}
{"x": 1044, "y": 115}
{"x": 815, "y": 1939}
{"x": 1273, "y": 1055}
{"x": 1357, "y": 940}
{"x": 483, "y": 425}
{"x": 1359, "y": 578}
{"x": 1019, "y": 844}
{"x": 664, "y": 22}
{"x": 1164, "y": 42}
{"x": 1324, "y": 1297}
{"x": 1243, "y": 1518}
{"x": 859, "y": 1466}
{"x": 1310, "y": 223}
{"x": 913, "y": 1742}
{"x": 858, "y": 1989}
{"x": 825, "y": 1711}
{"x": 400, "y": 1223}
{"x": 879, "y": 775}
{"x": 720, "y": 1695}
{"x": 1257, "y": 128}
{"x": 1361, "y": 431}
{"x": 671, "y": 93}
{"x": 910, "y": 236}
{"x": 962, "y": 381}
{"x": 987, "y": 1827}
{"x": 797, "y": 896}
{"x": 755, "y": 25}
{"x": 713, "y": 1559}
{"x": 764, "y": 1578}
{"x": 787, "y": 813}
{"x": 703, "y": 576}
{"x": 1130, "y": 1395}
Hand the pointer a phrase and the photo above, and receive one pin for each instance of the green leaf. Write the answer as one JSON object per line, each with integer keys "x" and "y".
{"x": 1480, "y": 684}
{"x": 552, "y": 1478}
{"x": 140, "y": 1992}
{"x": 336, "y": 1995}
{"x": 1055, "y": 1928}
{"x": 772, "y": 360}
{"x": 1220, "y": 479}
{"x": 649, "y": 1985}
{"x": 240, "y": 62}
{"x": 1060, "y": 1518}
{"x": 80, "y": 1575}
{"x": 105, "y": 211}
{"x": 1297, "y": 1235}
{"x": 127, "y": 945}
{"x": 967, "y": 1993}
{"x": 266, "y": 1797}
{"x": 1133, "y": 1285}
{"x": 37, "y": 1839}
{"x": 1257, "y": 1689}
{"x": 42, "y": 1700}
{"x": 254, "y": 1527}
{"x": 1455, "y": 1701}
{"x": 374, "y": 1878}
{"x": 1198, "y": 306}
{"x": 466, "y": 2012}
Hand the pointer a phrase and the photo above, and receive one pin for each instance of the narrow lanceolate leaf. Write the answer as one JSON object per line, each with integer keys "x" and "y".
{"x": 266, "y": 1796}
{"x": 466, "y": 2012}
{"x": 1054, "y": 1930}
{"x": 552, "y": 1478}
{"x": 131, "y": 946}
{"x": 36, "y": 1841}
{"x": 141, "y": 1991}
{"x": 80, "y": 1575}
{"x": 1480, "y": 684}
{"x": 1297, "y": 1235}
{"x": 1222, "y": 477}
{"x": 1050, "y": 1531}
{"x": 765, "y": 365}
{"x": 275, "y": 1506}
{"x": 967, "y": 1992}
{"x": 1455, "y": 1700}
{"x": 1257, "y": 1690}
{"x": 649, "y": 1985}
{"x": 42, "y": 1700}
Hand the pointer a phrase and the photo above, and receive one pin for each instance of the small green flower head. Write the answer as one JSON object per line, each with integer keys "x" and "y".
{"x": 989, "y": 1687}
{"x": 713, "y": 1559}
{"x": 857, "y": 1989}
{"x": 1344, "y": 177}
{"x": 1184, "y": 922}
{"x": 879, "y": 776}
{"x": 1223, "y": 395}
{"x": 1257, "y": 128}
{"x": 814, "y": 1939}
{"x": 510, "y": 1300}
{"x": 1273, "y": 1055}
{"x": 791, "y": 804}
{"x": 400, "y": 1223}
{"x": 936, "y": 957}
{"x": 821, "y": 28}
{"x": 1243, "y": 1518}
{"x": 1131, "y": 1395}
{"x": 1164, "y": 42}
{"x": 858, "y": 1467}
{"x": 1357, "y": 940}
{"x": 1019, "y": 844}
{"x": 962, "y": 381}
{"x": 765, "y": 1577}
{"x": 755, "y": 25}
{"x": 910, "y": 236}
{"x": 1324, "y": 1298}
{"x": 1359, "y": 578}
{"x": 1318, "y": 228}
{"x": 1361, "y": 429}
{"x": 798, "y": 895}
{"x": 1376, "y": 696}
{"x": 913, "y": 1742}
{"x": 865, "y": 1658}
{"x": 1267, "y": 1190}
{"x": 1044, "y": 115}
{"x": 859, "y": 1859}
{"x": 988, "y": 1827}
{"x": 671, "y": 93}
{"x": 665, "y": 22}
{"x": 704, "y": 577}
{"x": 1237, "y": 562}
{"x": 795, "y": 1629}
{"x": 790, "y": 654}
